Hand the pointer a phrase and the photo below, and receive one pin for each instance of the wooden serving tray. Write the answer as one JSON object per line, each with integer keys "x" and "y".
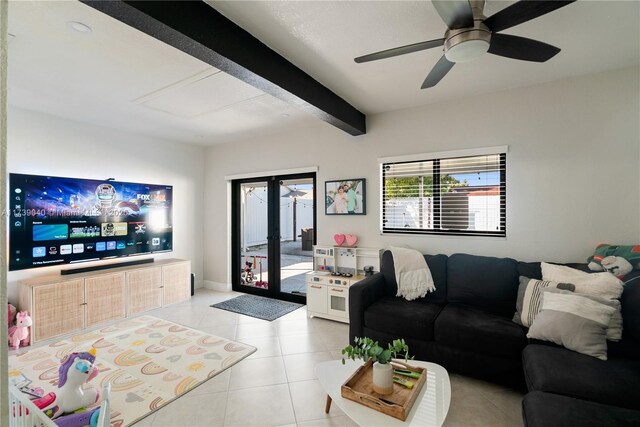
{"x": 359, "y": 388}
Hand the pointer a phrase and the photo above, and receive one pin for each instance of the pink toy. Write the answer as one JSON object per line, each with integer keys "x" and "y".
{"x": 339, "y": 239}
{"x": 19, "y": 334}
{"x": 75, "y": 370}
{"x": 11, "y": 313}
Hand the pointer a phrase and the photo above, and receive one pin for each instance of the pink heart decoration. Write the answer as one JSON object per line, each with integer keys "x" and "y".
{"x": 351, "y": 239}
{"x": 339, "y": 239}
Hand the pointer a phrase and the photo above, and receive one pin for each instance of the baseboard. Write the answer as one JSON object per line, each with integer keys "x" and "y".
{"x": 217, "y": 286}
{"x": 199, "y": 284}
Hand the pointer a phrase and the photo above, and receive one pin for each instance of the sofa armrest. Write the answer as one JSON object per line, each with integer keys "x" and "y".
{"x": 361, "y": 295}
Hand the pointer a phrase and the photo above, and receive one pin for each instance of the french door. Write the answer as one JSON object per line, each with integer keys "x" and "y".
{"x": 273, "y": 231}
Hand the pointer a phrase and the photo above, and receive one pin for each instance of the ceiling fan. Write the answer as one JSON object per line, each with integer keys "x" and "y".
{"x": 470, "y": 34}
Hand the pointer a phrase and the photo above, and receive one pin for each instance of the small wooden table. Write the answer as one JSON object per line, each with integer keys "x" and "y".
{"x": 430, "y": 408}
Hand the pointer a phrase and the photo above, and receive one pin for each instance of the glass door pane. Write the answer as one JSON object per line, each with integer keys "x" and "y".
{"x": 296, "y": 233}
{"x": 254, "y": 232}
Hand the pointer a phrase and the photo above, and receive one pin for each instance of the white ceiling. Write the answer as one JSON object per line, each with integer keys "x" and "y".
{"x": 119, "y": 77}
{"x": 323, "y": 37}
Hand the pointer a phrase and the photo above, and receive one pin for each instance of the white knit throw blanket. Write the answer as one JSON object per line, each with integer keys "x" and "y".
{"x": 412, "y": 273}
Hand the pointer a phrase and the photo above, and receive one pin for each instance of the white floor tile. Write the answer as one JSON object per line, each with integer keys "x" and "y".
{"x": 193, "y": 410}
{"x": 294, "y": 327}
{"x": 267, "y": 346}
{"x": 335, "y": 340}
{"x": 217, "y": 317}
{"x": 248, "y": 319}
{"x": 216, "y": 384}
{"x": 301, "y": 367}
{"x": 249, "y": 330}
{"x": 257, "y": 372}
{"x": 227, "y": 331}
{"x": 298, "y": 314}
{"x": 261, "y": 406}
{"x": 309, "y": 400}
{"x": 306, "y": 343}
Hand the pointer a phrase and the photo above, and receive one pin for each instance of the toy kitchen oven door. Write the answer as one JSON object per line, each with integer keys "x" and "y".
{"x": 338, "y": 298}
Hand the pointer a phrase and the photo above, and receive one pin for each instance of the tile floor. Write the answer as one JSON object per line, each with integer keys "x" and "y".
{"x": 276, "y": 385}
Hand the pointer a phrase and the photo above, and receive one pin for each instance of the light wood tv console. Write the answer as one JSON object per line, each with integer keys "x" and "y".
{"x": 61, "y": 305}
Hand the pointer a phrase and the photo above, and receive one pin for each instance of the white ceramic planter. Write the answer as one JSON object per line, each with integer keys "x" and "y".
{"x": 382, "y": 378}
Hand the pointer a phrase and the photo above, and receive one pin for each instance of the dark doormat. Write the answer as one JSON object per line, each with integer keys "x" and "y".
{"x": 259, "y": 307}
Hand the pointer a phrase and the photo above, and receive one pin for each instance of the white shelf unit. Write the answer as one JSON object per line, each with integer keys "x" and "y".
{"x": 327, "y": 295}
{"x": 345, "y": 260}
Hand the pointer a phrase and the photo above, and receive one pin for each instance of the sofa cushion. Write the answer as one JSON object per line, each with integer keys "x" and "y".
{"x": 558, "y": 370}
{"x": 487, "y": 283}
{"x": 631, "y": 305}
{"x": 530, "y": 269}
{"x": 438, "y": 266}
{"x": 552, "y": 410}
{"x": 473, "y": 330}
{"x": 401, "y": 318}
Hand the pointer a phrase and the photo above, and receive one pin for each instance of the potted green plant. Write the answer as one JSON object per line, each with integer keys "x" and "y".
{"x": 367, "y": 349}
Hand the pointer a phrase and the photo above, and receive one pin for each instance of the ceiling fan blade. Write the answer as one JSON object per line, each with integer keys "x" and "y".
{"x": 396, "y": 51}
{"x": 522, "y": 11}
{"x": 437, "y": 73}
{"x": 455, "y": 13}
{"x": 521, "y": 48}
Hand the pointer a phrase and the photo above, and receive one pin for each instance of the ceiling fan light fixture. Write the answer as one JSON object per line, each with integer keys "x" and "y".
{"x": 466, "y": 44}
{"x": 467, "y": 50}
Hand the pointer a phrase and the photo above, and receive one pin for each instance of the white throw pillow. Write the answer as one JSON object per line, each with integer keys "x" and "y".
{"x": 614, "y": 329}
{"x": 573, "y": 321}
{"x": 604, "y": 285}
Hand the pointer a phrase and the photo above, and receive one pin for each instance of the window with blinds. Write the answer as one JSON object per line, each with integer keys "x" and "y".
{"x": 461, "y": 195}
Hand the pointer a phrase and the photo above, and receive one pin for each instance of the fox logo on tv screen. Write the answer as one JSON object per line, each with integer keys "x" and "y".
{"x": 153, "y": 197}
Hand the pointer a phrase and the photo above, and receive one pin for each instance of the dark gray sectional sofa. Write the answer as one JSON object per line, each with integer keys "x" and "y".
{"x": 465, "y": 326}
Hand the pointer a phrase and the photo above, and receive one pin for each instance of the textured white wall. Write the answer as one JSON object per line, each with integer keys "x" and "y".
{"x": 46, "y": 145}
{"x": 573, "y": 176}
{"x": 4, "y": 400}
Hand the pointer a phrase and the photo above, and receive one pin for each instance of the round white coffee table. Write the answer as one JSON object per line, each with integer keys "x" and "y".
{"x": 429, "y": 409}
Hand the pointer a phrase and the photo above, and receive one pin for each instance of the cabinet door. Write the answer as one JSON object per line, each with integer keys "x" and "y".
{"x": 58, "y": 309}
{"x": 145, "y": 289}
{"x": 316, "y": 298}
{"x": 106, "y": 298}
{"x": 176, "y": 282}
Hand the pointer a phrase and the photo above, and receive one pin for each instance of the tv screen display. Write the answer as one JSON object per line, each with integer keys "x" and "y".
{"x": 56, "y": 220}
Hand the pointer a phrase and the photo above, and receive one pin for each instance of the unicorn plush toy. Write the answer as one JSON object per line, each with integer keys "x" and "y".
{"x": 75, "y": 370}
{"x": 19, "y": 334}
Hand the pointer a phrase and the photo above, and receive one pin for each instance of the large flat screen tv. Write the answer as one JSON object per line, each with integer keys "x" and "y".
{"x": 56, "y": 220}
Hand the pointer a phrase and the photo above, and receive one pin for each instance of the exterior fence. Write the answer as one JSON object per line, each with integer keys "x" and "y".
{"x": 255, "y": 214}
{"x": 483, "y": 214}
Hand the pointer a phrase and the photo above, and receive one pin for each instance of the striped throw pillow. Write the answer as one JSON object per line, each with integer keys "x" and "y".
{"x": 529, "y": 301}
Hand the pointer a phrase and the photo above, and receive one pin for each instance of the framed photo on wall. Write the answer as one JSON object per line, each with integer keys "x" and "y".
{"x": 345, "y": 197}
